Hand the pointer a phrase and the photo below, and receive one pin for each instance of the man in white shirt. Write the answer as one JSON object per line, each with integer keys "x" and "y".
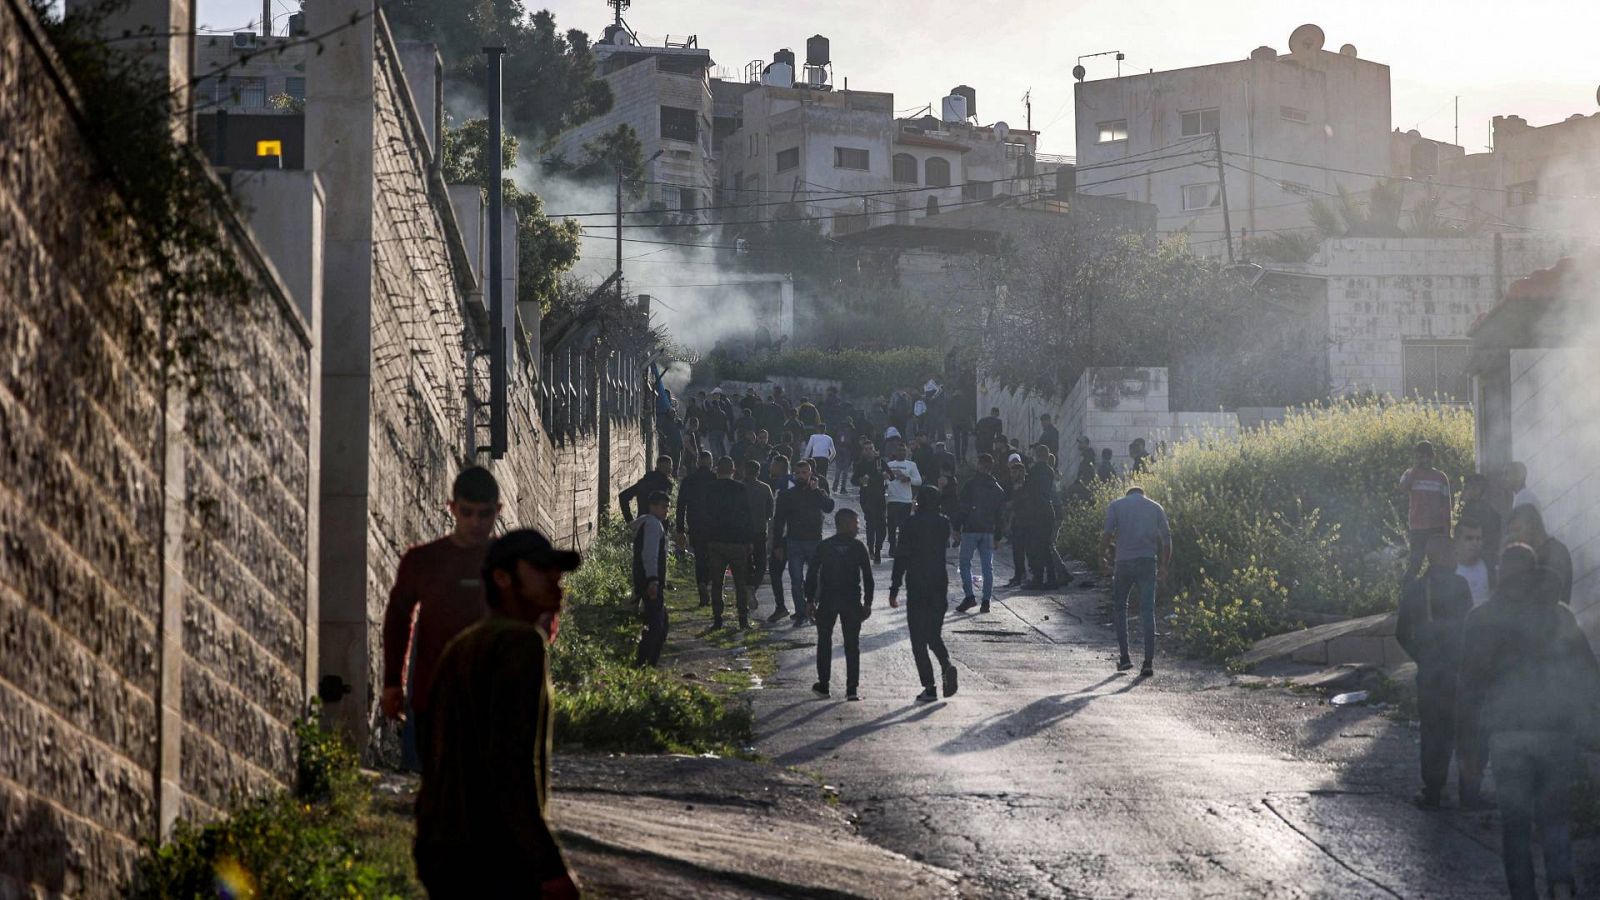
{"x": 820, "y": 450}
{"x": 901, "y": 492}
{"x": 1470, "y": 564}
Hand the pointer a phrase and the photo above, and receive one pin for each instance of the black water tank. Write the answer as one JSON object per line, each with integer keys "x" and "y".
{"x": 962, "y": 90}
{"x": 784, "y": 56}
{"x": 817, "y": 51}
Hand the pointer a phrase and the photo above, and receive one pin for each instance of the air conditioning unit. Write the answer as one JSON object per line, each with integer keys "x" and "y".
{"x": 244, "y": 40}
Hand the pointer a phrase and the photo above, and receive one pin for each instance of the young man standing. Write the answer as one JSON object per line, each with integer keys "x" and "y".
{"x": 1433, "y": 613}
{"x": 839, "y": 588}
{"x": 820, "y": 450}
{"x": 872, "y": 476}
{"x": 761, "y": 503}
{"x": 797, "y": 522}
{"x": 1470, "y": 563}
{"x": 921, "y": 564}
{"x": 988, "y": 428}
{"x": 905, "y": 478}
{"x": 1049, "y": 435}
{"x": 650, "y": 575}
{"x": 442, "y": 583}
{"x": 1427, "y": 491}
{"x": 481, "y": 826}
{"x": 692, "y": 521}
{"x": 728, "y": 532}
{"x": 658, "y": 479}
{"x": 780, "y": 481}
{"x": 982, "y": 500}
{"x": 1143, "y": 539}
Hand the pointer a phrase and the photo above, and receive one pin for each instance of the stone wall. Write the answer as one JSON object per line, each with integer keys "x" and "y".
{"x": 154, "y": 565}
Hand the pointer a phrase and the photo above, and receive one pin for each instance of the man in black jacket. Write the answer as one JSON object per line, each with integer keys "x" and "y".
{"x": 1433, "y": 613}
{"x": 1049, "y": 436}
{"x": 982, "y": 501}
{"x": 919, "y": 561}
{"x": 691, "y": 519}
{"x": 761, "y": 503}
{"x": 797, "y": 523}
{"x": 659, "y": 479}
{"x": 650, "y": 576}
{"x": 780, "y": 481}
{"x": 872, "y": 476}
{"x": 728, "y": 532}
{"x": 1042, "y": 477}
{"x": 839, "y": 588}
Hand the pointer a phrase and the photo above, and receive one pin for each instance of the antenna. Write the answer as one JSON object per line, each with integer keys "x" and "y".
{"x": 1078, "y": 71}
{"x": 1027, "y": 103}
{"x": 620, "y": 6}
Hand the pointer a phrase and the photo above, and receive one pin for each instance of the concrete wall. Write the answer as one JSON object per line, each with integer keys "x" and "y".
{"x": 156, "y": 572}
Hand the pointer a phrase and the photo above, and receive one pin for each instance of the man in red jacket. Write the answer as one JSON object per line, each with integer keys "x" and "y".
{"x": 441, "y": 582}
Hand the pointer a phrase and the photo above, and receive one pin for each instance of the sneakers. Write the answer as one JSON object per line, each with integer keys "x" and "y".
{"x": 716, "y": 624}
{"x": 1147, "y": 671}
{"x": 778, "y": 615}
{"x": 802, "y": 621}
{"x": 1124, "y": 664}
{"x": 950, "y": 681}
{"x": 852, "y": 695}
{"x": 928, "y": 695}
{"x": 1015, "y": 582}
{"x": 967, "y": 604}
{"x": 820, "y": 689}
{"x": 985, "y": 607}
{"x": 1428, "y": 800}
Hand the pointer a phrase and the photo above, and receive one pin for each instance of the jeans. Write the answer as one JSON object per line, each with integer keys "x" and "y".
{"x": 850, "y": 629}
{"x": 717, "y": 443}
{"x": 1418, "y": 541}
{"x": 799, "y": 553}
{"x": 1436, "y": 708}
{"x": 758, "y": 564}
{"x": 925, "y": 617}
{"x": 819, "y": 465}
{"x": 775, "y": 568}
{"x": 1135, "y": 575}
{"x": 983, "y": 542}
{"x": 725, "y": 556}
{"x": 898, "y": 513}
{"x": 1533, "y": 773}
{"x": 841, "y": 476}
{"x": 702, "y": 568}
{"x": 877, "y": 527}
{"x": 655, "y": 634}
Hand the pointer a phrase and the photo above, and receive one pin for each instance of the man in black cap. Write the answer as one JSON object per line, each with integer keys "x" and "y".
{"x": 481, "y": 826}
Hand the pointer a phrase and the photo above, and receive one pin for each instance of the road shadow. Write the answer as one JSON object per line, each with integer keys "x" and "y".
{"x": 834, "y": 741}
{"x": 1001, "y": 729}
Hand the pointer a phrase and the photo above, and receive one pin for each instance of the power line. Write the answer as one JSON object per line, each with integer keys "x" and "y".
{"x": 824, "y": 218}
{"x": 1409, "y": 180}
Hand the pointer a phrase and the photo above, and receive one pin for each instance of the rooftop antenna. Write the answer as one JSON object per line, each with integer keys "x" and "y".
{"x": 619, "y": 6}
{"x": 1078, "y": 71}
{"x": 1027, "y": 103}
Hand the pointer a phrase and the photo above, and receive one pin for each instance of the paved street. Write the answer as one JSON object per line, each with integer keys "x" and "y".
{"x": 1051, "y": 775}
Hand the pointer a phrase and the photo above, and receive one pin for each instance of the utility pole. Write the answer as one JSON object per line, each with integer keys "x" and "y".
{"x": 1027, "y": 102}
{"x": 619, "y": 233}
{"x": 1222, "y": 185}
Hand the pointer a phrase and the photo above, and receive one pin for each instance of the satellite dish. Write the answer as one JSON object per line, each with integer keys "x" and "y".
{"x": 1597, "y": 95}
{"x": 1078, "y": 71}
{"x": 1002, "y": 130}
{"x": 1306, "y": 39}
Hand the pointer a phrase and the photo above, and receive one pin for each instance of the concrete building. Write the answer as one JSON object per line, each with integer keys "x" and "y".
{"x": 1285, "y": 122}
{"x": 664, "y": 94}
{"x": 1544, "y": 176}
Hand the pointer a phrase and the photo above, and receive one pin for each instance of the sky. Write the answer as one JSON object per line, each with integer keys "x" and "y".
{"x": 1532, "y": 58}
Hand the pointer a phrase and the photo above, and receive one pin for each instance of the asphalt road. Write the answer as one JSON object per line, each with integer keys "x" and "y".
{"x": 1052, "y": 775}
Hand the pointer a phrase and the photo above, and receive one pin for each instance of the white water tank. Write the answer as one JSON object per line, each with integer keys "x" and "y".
{"x": 779, "y": 75}
{"x": 954, "y": 108}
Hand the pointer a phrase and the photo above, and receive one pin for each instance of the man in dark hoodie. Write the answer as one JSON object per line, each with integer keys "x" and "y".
{"x": 982, "y": 501}
{"x": 761, "y": 503}
{"x": 797, "y": 522}
{"x": 919, "y": 562}
{"x": 839, "y": 589}
{"x": 871, "y": 474}
{"x": 1433, "y": 612}
{"x": 779, "y": 480}
{"x": 650, "y": 575}
{"x": 728, "y": 533}
{"x": 657, "y": 479}
{"x": 692, "y": 520}
{"x": 1529, "y": 680}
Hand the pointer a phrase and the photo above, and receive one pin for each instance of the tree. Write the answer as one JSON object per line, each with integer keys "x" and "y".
{"x": 619, "y": 148}
{"x": 545, "y": 248}
{"x": 1382, "y": 214}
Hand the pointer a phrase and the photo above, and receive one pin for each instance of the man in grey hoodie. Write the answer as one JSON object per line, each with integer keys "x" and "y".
{"x": 649, "y": 575}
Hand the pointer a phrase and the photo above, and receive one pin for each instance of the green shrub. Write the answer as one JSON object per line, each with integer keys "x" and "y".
{"x": 1310, "y": 500}
{"x": 862, "y": 373}
{"x": 1221, "y": 618}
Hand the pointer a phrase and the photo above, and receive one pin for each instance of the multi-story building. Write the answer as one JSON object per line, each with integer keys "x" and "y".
{"x": 252, "y": 91}
{"x": 1545, "y": 176}
{"x": 1292, "y": 127}
{"x": 664, "y": 94}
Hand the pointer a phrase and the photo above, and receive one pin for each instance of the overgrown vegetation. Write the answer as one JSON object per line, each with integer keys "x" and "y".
{"x": 603, "y": 701}
{"x": 863, "y": 373}
{"x": 1289, "y": 518}
{"x": 326, "y": 838}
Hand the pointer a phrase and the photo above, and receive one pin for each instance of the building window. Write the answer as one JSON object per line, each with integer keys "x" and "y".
{"x": 678, "y": 124}
{"x": 252, "y": 92}
{"x": 905, "y": 168}
{"x": 1437, "y": 370}
{"x": 211, "y": 91}
{"x": 1202, "y": 196}
{"x": 1115, "y": 130}
{"x": 1522, "y": 193}
{"x": 977, "y": 190}
{"x": 851, "y": 158}
{"x": 788, "y": 159}
{"x": 937, "y": 172}
{"x": 1016, "y": 150}
{"x": 1202, "y": 121}
{"x": 295, "y": 88}
{"x": 1294, "y": 115}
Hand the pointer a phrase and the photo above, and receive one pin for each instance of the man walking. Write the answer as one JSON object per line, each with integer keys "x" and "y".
{"x": 982, "y": 500}
{"x": 904, "y": 479}
{"x": 820, "y": 450}
{"x": 650, "y": 577}
{"x": 1433, "y": 613}
{"x": 692, "y": 521}
{"x": 481, "y": 825}
{"x": 872, "y": 476}
{"x": 797, "y": 522}
{"x": 657, "y": 479}
{"x": 442, "y": 584}
{"x": 920, "y": 564}
{"x": 780, "y": 481}
{"x": 728, "y": 534}
{"x": 761, "y": 503}
{"x": 987, "y": 429}
{"x": 1138, "y": 525}
{"x": 839, "y": 589}
{"x": 1427, "y": 493}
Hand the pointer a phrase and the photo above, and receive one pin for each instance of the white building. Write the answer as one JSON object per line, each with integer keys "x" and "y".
{"x": 252, "y": 73}
{"x": 664, "y": 94}
{"x": 1153, "y": 137}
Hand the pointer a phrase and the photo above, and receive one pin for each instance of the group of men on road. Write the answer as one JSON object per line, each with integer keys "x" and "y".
{"x": 1506, "y": 679}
